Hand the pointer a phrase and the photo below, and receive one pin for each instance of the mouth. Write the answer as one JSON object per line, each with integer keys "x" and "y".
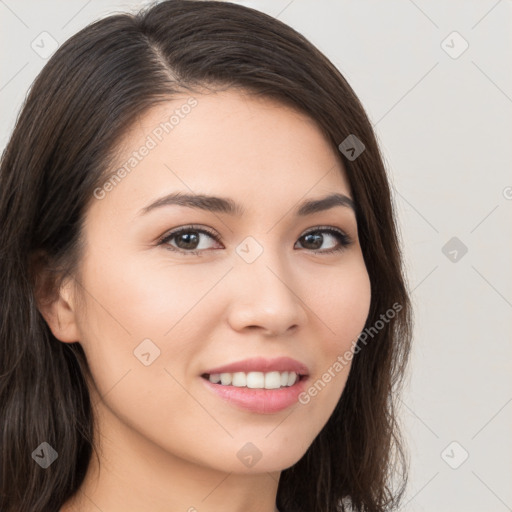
{"x": 258, "y": 385}
{"x": 255, "y": 380}
{"x": 257, "y": 399}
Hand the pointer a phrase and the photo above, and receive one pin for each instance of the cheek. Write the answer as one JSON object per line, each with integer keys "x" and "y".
{"x": 134, "y": 308}
{"x": 138, "y": 339}
{"x": 343, "y": 305}
{"x": 146, "y": 298}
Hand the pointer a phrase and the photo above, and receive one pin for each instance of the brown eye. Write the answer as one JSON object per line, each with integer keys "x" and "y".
{"x": 188, "y": 240}
{"x": 314, "y": 240}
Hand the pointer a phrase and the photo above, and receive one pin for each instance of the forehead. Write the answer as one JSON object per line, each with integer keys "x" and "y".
{"x": 227, "y": 143}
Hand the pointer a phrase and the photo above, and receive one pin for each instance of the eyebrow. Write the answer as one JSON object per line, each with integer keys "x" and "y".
{"x": 230, "y": 207}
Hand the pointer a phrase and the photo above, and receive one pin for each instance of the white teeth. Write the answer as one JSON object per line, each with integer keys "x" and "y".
{"x": 272, "y": 380}
{"x": 225, "y": 379}
{"x": 239, "y": 380}
{"x": 255, "y": 380}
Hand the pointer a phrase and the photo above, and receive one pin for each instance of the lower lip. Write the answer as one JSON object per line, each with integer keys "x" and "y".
{"x": 262, "y": 401}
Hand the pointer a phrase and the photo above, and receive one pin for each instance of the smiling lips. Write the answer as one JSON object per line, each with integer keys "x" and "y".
{"x": 259, "y": 385}
{"x": 258, "y": 373}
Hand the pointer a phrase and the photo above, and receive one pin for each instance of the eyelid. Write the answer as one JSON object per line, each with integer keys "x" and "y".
{"x": 189, "y": 227}
{"x": 323, "y": 228}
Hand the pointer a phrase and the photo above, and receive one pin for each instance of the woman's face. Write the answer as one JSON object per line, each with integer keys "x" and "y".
{"x": 161, "y": 312}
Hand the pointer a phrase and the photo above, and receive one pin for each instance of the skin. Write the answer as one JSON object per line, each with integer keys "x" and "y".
{"x": 166, "y": 442}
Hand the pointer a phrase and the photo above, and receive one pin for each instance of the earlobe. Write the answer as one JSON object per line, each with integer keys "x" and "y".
{"x": 60, "y": 316}
{"x": 56, "y": 306}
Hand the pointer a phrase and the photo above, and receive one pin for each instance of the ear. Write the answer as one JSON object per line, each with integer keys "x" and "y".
{"x": 57, "y": 306}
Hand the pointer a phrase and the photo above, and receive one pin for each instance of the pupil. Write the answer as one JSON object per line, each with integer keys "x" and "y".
{"x": 311, "y": 237}
{"x": 190, "y": 240}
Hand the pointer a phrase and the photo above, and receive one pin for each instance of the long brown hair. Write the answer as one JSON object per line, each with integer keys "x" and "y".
{"x": 79, "y": 107}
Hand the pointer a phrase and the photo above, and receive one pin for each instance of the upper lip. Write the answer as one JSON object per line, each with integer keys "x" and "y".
{"x": 262, "y": 364}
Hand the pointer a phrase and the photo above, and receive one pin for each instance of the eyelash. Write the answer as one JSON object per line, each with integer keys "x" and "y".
{"x": 342, "y": 237}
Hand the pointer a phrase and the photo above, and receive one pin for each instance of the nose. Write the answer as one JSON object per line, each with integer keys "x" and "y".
{"x": 263, "y": 297}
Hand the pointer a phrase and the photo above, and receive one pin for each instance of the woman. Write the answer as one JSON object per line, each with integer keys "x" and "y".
{"x": 202, "y": 281}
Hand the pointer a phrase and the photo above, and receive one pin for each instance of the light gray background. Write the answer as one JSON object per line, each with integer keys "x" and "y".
{"x": 445, "y": 127}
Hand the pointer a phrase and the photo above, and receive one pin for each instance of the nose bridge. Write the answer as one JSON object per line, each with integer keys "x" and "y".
{"x": 265, "y": 295}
